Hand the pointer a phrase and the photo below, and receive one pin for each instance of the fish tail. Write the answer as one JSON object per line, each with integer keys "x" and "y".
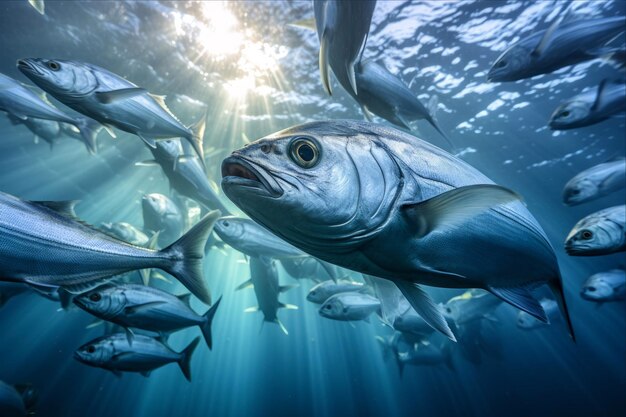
{"x": 208, "y": 320}
{"x": 186, "y": 255}
{"x": 185, "y": 358}
{"x": 197, "y": 137}
{"x": 89, "y": 130}
{"x": 556, "y": 285}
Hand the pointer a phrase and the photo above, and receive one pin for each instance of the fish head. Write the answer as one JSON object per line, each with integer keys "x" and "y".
{"x": 569, "y": 115}
{"x": 154, "y": 204}
{"x": 512, "y": 65}
{"x": 594, "y": 235}
{"x": 318, "y": 293}
{"x": 450, "y": 311}
{"x": 105, "y": 301}
{"x": 59, "y": 77}
{"x": 334, "y": 308}
{"x": 579, "y": 191}
{"x": 596, "y": 288}
{"x": 230, "y": 228}
{"x": 95, "y": 353}
{"x": 316, "y": 185}
{"x": 123, "y": 231}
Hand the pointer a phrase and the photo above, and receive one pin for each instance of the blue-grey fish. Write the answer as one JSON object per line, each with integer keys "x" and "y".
{"x": 426, "y": 354}
{"x": 384, "y": 203}
{"x": 23, "y": 104}
{"x": 264, "y": 280}
{"x": 605, "y": 286}
{"x": 309, "y": 268}
{"x": 147, "y": 308}
{"x": 126, "y": 232}
{"x": 44, "y": 244}
{"x": 558, "y": 46}
{"x": 111, "y": 100}
{"x": 185, "y": 173}
{"x": 590, "y": 107}
{"x": 349, "y": 306}
{"x": 38, "y": 5}
{"x": 162, "y": 215}
{"x": 599, "y": 233}
{"x": 144, "y": 355}
{"x": 342, "y": 29}
{"x": 17, "y": 400}
{"x": 412, "y": 323}
{"x": 527, "y": 322}
{"x": 324, "y": 290}
{"x": 595, "y": 182}
{"x": 470, "y": 306}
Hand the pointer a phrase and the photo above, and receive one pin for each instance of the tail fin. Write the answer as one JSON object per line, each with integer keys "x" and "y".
{"x": 186, "y": 256}
{"x": 89, "y": 130}
{"x": 185, "y": 358}
{"x": 556, "y": 285}
{"x": 208, "y": 320}
{"x": 197, "y": 137}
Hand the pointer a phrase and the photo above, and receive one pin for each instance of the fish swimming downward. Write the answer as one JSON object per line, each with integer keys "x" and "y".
{"x": 384, "y": 203}
{"x": 596, "y": 182}
{"x": 111, "y": 100}
{"x": 44, "y": 244}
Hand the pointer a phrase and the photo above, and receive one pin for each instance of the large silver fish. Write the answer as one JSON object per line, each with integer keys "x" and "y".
{"x": 590, "y": 107}
{"x": 144, "y": 355}
{"x": 596, "y": 182}
{"x": 599, "y": 233}
{"x": 349, "y": 306}
{"x": 342, "y": 29}
{"x": 560, "y": 45}
{"x": 381, "y": 202}
{"x": 111, "y": 100}
{"x": 44, "y": 244}
{"x": 162, "y": 215}
{"x": 605, "y": 286}
{"x": 147, "y": 308}
{"x": 22, "y": 104}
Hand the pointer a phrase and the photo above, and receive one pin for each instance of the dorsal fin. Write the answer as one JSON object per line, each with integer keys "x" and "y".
{"x": 161, "y": 102}
{"x": 544, "y": 42}
{"x": 598, "y": 99}
{"x": 66, "y": 208}
{"x": 185, "y": 298}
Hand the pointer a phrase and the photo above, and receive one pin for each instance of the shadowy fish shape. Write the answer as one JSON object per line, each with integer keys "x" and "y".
{"x": 470, "y": 306}
{"x": 324, "y": 290}
{"x": 162, "y": 215}
{"x": 126, "y": 232}
{"x": 17, "y": 400}
{"x": 600, "y": 233}
{"x": 595, "y": 182}
{"x": 605, "y": 286}
{"x": 527, "y": 322}
{"x": 349, "y": 306}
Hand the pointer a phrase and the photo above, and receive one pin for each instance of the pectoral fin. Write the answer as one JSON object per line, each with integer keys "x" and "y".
{"x": 185, "y": 298}
{"x": 597, "y": 102}
{"x": 149, "y": 141}
{"x": 66, "y": 208}
{"x": 142, "y": 307}
{"x": 244, "y": 285}
{"x": 108, "y": 97}
{"x": 457, "y": 206}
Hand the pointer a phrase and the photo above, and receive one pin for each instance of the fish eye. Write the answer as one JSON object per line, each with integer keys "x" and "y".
{"x": 226, "y": 224}
{"x": 575, "y": 191}
{"x": 95, "y": 297}
{"x": 304, "y": 152}
{"x": 586, "y": 234}
{"x": 54, "y": 66}
{"x": 565, "y": 113}
{"x": 591, "y": 289}
{"x": 91, "y": 349}
{"x": 328, "y": 306}
{"x": 501, "y": 64}
{"x": 448, "y": 309}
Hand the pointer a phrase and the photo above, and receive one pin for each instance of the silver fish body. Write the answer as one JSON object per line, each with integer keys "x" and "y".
{"x": 600, "y": 233}
{"x": 595, "y": 182}
{"x": 349, "y": 306}
{"x": 324, "y": 290}
{"x": 605, "y": 286}
{"x": 161, "y": 214}
{"x": 527, "y": 322}
{"x": 470, "y": 306}
{"x": 49, "y": 247}
{"x": 127, "y": 233}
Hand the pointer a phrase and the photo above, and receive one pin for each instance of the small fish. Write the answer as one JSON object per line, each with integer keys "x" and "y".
{"x": 126, "y": 232}
{"x": 38, "y": 5}
{"x": 17, "y": 400}
{"x": 24, "y": 105}
{"x": 558, "y": 46}
{"x": 384, "y": 203}
{"x": 590, "y": 107}
{"x": 527, "y": 322}
{"x": 599, "y": 233}
{"x": 349, "y": 306}
{"x": 162, "y": 215}
{"x": 605, "y": 286}
{"x": 412, "y": 323}
{"x": 469, "y": 306}
{"x": 111, "y": 100}
{"x": 264, "y": 280}
{"x": 324, "y": 290}
{"x": 342, "y": 29}
{"x": 144, "y": 355}
{"x": 45, "y": 245}
{"x": 595, "y": 182}
{"x": 147, "y": 308}
{"x": 426, "y": 354}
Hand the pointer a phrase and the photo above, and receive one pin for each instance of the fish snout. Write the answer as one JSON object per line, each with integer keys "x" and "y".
{"x": 28, "y": 65}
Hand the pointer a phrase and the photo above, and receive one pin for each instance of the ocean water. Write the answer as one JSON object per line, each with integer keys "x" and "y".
{"x": 256, "y": 74}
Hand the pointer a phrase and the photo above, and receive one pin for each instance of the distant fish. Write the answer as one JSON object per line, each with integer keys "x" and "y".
{"x": 17, "y": 400}
{"x": 264, "y": 281}
{"x": 142, "y": 307}
{"x": 324, "y": 290}
{"x": 605, "y": 286}
{"x": 427, "y": 354}
{"x": 349, "y": 306}
{"x": 527, "y": 322}
{"x": 126, "y": 232}
{"x": 38, "y": 5}
{"x": 162, "y": 215}
{"x": 111, "y": 100}
{"x": 45, "y": 245}
{"x": 595, "y": 182}
{"x": 24, "y": 105}
{"x": 600, "y": 233}
{"x": 590, "y": 107}
{"x": 342, "y": 28}
{"x": 144, "y": 355}
{"x": 309, "y": 268}
{"x": 412, "y": 323}
{"x": 470, "y": 306}
{"x": 560, "y": 45}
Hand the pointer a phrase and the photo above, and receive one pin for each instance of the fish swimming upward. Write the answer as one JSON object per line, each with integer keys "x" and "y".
{"x": 384, "y": 203}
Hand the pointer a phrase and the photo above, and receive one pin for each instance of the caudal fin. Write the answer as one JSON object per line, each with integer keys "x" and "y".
{"x": 89, "y": 130}
{"x": 197, "y": 137}
{"x": 186, "y": 255}
{"x": 185, "y": 358}
{"x": 556, "y": 285}
{"x": 208, "y": 320}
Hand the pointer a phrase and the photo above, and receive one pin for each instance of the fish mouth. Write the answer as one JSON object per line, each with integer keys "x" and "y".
{"x": 574, "y": 250}
{"x": 28, "y": 66}
{"x": 239, "y": 171}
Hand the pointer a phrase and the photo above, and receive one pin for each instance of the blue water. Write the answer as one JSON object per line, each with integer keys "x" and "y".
{"x": 256, "y": 75}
